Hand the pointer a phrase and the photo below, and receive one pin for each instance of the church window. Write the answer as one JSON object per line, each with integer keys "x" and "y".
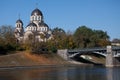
{"x": 19, "y": 25}
{"x": 45, "y": 28}
{"x": 35, "y": 18}
{"x": 38, "y": 17}
{"x": 41, "y": 29}
{"x": 30, "y": 28}
{"x": 32, "y": 18}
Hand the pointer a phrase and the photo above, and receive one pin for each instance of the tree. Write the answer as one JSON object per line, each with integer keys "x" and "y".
{"x": 86, "y": 37}
{"x": 70, "y": 43}
{"x": 83, "y": 36}
{"x": 59, "y": 37}
{"x": 7, "y": 39}
{"x": 102, "y": 38}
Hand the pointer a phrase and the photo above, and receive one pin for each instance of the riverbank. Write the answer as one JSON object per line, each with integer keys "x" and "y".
{"x": 27, "y": 59}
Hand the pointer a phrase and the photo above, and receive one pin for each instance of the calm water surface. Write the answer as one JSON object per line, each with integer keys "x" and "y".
{"x": 61, "y": 73}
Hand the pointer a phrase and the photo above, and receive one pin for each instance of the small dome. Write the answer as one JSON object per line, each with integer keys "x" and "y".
{"x": 43, "y": 24}
{"x": 32, "y": 24}
{"x": 37, "y": 12}
{"x": 19, "y": 21}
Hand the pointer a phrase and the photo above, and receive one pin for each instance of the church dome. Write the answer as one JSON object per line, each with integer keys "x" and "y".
{"x": 19, "y": 21}
{"x": 32, "y": 24}
{"x": 43, "y": 24}
{"x": 36, "y": 12}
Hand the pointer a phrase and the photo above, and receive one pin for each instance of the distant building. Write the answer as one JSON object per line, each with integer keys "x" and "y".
{"x": 115, "y": 42}
{"x": 37, "y": 28}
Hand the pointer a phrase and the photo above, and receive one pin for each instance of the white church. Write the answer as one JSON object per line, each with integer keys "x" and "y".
{"x": 37, "y": 28}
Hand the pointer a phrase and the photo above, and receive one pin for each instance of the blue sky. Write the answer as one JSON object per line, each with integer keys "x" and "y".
{"x": 67, "y": 14}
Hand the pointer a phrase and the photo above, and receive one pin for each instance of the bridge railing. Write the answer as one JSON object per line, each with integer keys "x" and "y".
{"x": 98, "y": 50}
{"x": 86, "y": 50}
{"x": 114, "y": 48}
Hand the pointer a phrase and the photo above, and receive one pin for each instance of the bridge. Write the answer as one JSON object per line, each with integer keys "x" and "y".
{"x": 109, "y": 52}
{"x": 97, "y": 50}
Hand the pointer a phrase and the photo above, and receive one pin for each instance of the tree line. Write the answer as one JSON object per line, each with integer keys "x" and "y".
{"x": 82, "y": 37}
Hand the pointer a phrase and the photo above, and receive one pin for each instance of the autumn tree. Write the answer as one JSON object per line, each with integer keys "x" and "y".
{"x": 86, "y": 37}
{"x": 68, "y": 41}
{"x": 102, "y": 38}
{"x": 7, "y": 39}
{"x": 59, "y": 37}
{"x": 83, "y": 36}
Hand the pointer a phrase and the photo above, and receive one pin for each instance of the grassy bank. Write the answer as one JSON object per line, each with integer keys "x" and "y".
{"x": 27, "y": 59}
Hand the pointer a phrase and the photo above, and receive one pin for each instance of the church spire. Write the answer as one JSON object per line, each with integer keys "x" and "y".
{"x": 19, "y": 15}
{"x": 36, "y": 5}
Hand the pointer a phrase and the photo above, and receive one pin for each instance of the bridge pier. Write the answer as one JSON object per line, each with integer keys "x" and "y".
{"x": 109, "y": 57}
{"x": 63, "y": 53}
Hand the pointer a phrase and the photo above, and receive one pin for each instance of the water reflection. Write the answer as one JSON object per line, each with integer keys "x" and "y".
{"x": 61, "y": 73}
{"x": 113, "y": 73}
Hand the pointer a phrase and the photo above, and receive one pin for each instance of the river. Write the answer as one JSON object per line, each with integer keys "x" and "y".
{"x": 60, "y": 73}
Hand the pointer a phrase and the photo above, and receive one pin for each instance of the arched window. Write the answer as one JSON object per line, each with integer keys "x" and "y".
{"x": 40, "y": 18}
{"x": 19, "y": 25}
{"x": 41, "y": 29}
{"x": 30, "y": 28}
{"x": 35, "y": 18}
{"x": 32, "y": 18}
{"x": 46, "y": 28}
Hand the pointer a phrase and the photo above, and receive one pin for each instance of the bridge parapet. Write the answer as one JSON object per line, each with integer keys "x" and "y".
{"x": 97, "y": 49}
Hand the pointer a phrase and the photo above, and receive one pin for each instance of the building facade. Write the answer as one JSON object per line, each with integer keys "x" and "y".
{"x": 36, "y": 28}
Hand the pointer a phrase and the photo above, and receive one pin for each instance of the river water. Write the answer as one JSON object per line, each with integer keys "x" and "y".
{"x": 60, "y": 73}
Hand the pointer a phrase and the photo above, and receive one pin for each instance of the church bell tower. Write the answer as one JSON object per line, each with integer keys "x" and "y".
{"x": 19, "y": 30}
